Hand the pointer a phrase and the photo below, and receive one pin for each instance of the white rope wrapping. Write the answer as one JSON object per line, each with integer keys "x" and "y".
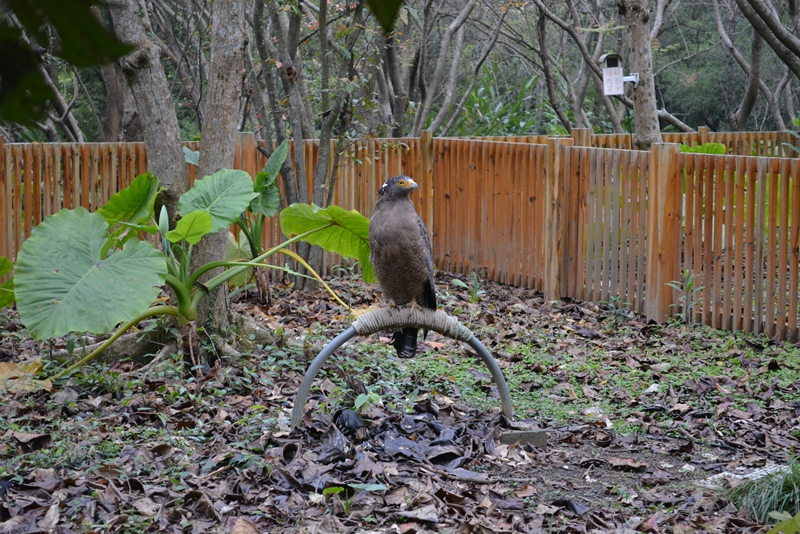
{"x": 395, "y": 318}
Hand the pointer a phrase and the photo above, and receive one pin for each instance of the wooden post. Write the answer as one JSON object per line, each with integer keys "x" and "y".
{"x": 581, "y": 136}
{"x": 426, "y": 175}
{"x": 702, "y": 135}
{"x": 555, "y": 210}
{"x": 249, "y": 162}
{"x": 664, "y": 218}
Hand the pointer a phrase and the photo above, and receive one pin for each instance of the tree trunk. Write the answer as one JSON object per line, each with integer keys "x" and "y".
{"x": 738, "y": 120}
{"x": 218, "y": 139}
{"x": 548, "y": 74}
{"x": 645, "y": 113}
{"x": 761, "y": 14}
{"x": 150, "y": 88}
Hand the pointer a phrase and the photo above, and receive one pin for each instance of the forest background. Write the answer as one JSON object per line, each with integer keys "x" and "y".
{"x": 456, "y": 67}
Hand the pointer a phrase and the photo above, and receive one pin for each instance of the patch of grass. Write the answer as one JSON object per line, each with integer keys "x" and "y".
{"x": 778, "y": 491}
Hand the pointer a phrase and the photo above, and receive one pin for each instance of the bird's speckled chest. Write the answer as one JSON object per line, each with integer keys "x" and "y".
{"x": 400, "y": 254}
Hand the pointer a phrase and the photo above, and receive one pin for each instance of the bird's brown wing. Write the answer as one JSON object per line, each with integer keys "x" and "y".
{"x": 430, "y": 286}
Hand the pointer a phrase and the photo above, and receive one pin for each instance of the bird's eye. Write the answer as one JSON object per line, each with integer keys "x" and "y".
{"x": 401, "y": 183}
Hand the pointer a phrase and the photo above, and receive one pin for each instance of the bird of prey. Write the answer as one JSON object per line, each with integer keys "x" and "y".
{"x": 401, "y": 256}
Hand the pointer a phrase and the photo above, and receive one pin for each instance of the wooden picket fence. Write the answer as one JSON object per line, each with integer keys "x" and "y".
{"x": 579, "y": 216}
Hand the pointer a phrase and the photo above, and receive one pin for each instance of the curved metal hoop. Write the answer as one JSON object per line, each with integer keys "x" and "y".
{"x": 391, "y": 318}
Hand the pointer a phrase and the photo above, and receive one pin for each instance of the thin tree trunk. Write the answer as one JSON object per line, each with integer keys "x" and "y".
{"x": 287, "y": 170}
{"x": 548, "y": 74}
{"x": 645, "y": 113}
{"x": 438, "y": 73}
{"x": 738, "y": 120}
{"x": 218, "y": 140}
{"x": 149, "y": 86}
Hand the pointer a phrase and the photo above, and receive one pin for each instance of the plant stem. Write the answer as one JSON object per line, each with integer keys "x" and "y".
{"x": 227, "y": 275}
{"x": 150, "y": 312}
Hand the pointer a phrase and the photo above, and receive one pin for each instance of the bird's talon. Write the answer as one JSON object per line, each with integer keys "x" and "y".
{"x": 413, "y": 306}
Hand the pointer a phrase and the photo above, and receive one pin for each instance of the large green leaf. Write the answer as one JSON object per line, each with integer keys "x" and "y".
{"x": 191, "y": 156}
{"x": 239, "y": 251}
{"x": 192, "y": 227}
{"x": 269, "y": 196}
{"x": 134, "y": 204}
{"x": 706, "y": 148}
{"x": 7, "y": 287}
{"x": 63, "y": 285}
{"x": 337, "y": 230}
{"x": 385, "y": 11}
{"x": 224, "y": 194}
{"x": 275, "y": 161}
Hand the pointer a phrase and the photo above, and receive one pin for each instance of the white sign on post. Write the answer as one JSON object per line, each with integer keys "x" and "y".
{"x": 612, "y": 81}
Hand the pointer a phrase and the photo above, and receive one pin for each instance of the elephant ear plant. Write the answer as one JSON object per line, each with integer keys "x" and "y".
{"x": 88, "y": 272}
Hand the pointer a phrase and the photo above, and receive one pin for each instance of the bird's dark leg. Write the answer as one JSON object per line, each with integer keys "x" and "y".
{"x": 405, "y": 342}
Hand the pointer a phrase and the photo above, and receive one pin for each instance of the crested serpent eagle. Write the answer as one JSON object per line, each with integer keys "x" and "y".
{"x": 401, "y": 256}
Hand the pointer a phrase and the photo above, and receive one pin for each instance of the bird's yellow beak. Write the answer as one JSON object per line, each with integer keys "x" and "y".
{"x": 408, "y": 183}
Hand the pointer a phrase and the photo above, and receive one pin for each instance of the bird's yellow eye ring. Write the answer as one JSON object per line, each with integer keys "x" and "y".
{"x": 401, "y": 183}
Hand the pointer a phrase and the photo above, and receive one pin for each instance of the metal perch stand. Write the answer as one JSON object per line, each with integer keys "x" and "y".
{"x": 392, "y": 319}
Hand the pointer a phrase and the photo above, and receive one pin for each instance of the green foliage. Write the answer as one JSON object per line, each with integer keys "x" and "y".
{"x": 475, "y": 291}
{"x": 268, "y": 199}
{"x": 336, "y": 230}
{"x": 385, "y": 11}
{"x": 788, "y": 524}
{"x": 492, "y": 110}
{"x": 82, "y": 40}
{"x": 224, "y": 195}
{"x": 191, "y": 228}
{"x": 237, "y": 251}
{"x": 265, "y": 202}
{"x": 705, "y": 148}
{"x": 687, "y": 289}
{"x": 134, "y": 203}
{"x": 7, "y": 287}
{"x": 365, "y": 398}
{"x": 72, "y": 274}
{"x": 778, "y": 491}
{"x": 63, "y": 283}
{"x": 191, "y": 156}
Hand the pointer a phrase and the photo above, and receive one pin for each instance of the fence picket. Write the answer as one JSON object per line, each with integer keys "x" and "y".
{"x": 783, "y": 249}
{"x": 769, "y": 297}
{"x": 739, "y": 244}
{"x": 794, "y": 258}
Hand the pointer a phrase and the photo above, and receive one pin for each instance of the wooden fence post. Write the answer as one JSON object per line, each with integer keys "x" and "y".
{"x": 702, "y": 135}
{"x": 426, "y": 174}
{"x": 664, "y": 219}
{"x": 555, "y": 211}
{"x": 581, "y": 136}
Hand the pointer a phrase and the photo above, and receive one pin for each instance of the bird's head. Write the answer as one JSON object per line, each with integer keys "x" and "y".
{"x": 397, "y": 187}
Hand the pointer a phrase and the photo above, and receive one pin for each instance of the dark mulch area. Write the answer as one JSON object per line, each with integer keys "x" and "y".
{"x": 121, "y": 448}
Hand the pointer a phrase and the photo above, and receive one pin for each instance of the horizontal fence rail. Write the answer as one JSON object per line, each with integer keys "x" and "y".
{"x": 580, "y": 216}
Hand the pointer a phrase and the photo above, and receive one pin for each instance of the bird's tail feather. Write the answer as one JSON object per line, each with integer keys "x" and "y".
{"x": 405, "y": 342}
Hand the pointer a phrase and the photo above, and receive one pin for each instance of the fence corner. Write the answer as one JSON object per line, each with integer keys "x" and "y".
{"x": 664, "y": 219}
{"x": 555, "y": 217}
{"x": 702, "y": 135}
{"x": 581, "y": 136}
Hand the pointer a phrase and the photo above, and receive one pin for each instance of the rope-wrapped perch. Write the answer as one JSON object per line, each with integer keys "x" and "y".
{"x": 393, "y": 319}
